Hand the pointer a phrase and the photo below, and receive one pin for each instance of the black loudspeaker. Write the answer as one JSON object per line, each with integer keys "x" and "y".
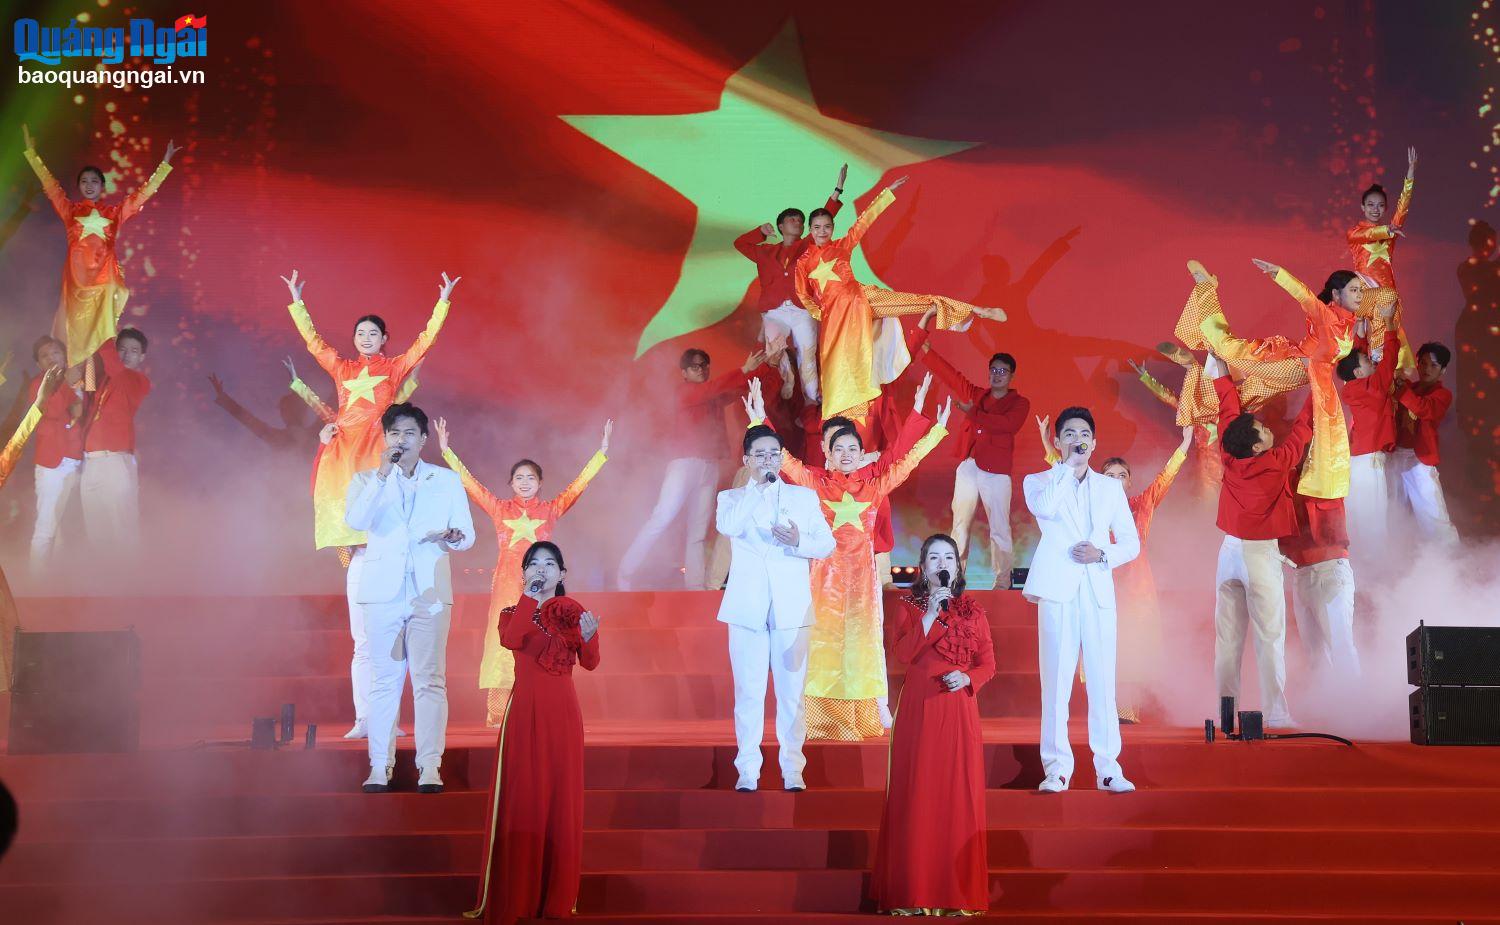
{"x": 76, "y": 692}
{"x": 1453, "y": 655}
{"x": 1455, "y": 716}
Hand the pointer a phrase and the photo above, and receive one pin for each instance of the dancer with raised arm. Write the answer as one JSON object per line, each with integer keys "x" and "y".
{"x": 521, "y": 520}
{"x": 1423, "y": 402}
{"x": 94, "y": 293}
{"x": 533, "y": 858}
{"x": 1087, "y": 532}
{"x": 59, "y": 449}
{"x": 1372, "y": 248}
{"x": 110, "y": 486}
{"x": 930, "y": 857}
{"x": 846, "y": 677}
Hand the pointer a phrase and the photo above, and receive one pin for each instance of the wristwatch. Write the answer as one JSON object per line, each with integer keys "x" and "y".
{"x": 1103, "y": 558}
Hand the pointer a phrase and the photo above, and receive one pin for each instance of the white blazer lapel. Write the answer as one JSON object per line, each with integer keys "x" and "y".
{"x": 1070, "y": 508}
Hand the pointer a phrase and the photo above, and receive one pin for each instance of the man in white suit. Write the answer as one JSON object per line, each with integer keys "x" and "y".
{"x": 1087, "y": 532}
{"x": 413, "y": 514}
{"x": 773, "y": 529}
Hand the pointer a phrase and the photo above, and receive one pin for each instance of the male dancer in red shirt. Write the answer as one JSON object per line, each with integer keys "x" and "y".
{"x": 59, "y": 450}
{"x": 1367, "y": 376}
{"x": 1422, "y": 401}
{"x": 1255, "y": 511}
{"x": 111, "y": 482}
{"x": 776, "y": 265}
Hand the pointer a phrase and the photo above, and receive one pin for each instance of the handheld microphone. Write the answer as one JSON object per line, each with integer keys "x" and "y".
{"x": 1081, "y": 448}
{"x": 395, "y": 456}
{"x": 535, "y": 586}
{"x": 943, "y": 579}
{"x": 770, "y": 477}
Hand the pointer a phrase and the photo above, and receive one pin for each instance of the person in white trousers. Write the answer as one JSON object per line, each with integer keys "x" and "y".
{"x": 774, "y": 529}
{"x": 1422, "y": 403}
{"x": 413, "y": 515}
{"x": 1368, "y": 375}
{"x": 1087, "y": 532}
{"x": 59, "y": 450}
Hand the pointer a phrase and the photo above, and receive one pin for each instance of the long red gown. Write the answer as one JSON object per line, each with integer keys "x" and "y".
{"x": 534, "y": 859}
{"x": 931, "y": 852}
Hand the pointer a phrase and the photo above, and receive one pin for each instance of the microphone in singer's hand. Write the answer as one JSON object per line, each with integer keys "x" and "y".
{"x": 943, "y": 579}
{"x": 395, "y": 456}
{"x": 770, "y": 477}
{"x": 535, "y": 586}
{"x": 1081, "y": 448}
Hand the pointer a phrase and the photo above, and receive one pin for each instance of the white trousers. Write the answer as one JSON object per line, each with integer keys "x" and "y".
{"x": 1323, "y": 601}
{"x": 1368, "y": 508}
{"x": 1064, "y": 628}
{"x": 1251, "y": 597}
{"x": 785, "y": 319}
{"x": 408, "y": 634}
{"x": 361, "y": 672}
{"x": 752, "y": 654}
{"x": 111, "y": 495}
{"x": 1418, "y": 487}
{"x": 687, "y": 483}
{"x": 55, "y": 488}
{"x": 972, "y": 485}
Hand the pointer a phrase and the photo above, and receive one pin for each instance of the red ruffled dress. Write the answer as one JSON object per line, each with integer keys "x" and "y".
{"x": 534, "y": 859}
{"x": 931, "y": 851}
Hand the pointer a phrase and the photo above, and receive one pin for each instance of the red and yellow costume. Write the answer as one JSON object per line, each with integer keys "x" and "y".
{"x": 1205, "y": 431}
{"x": 1372, "y": 247}
{"x": 931, "y": 855}
{"x": 10, "y": 620}
{"x": 846, "y": 656}
{"x": 366, "y": 387}
{"x": 1276, "y": 365}
{"x": 93, "y": 287}
{"x": 853, "y": 361}
{"x": 518, "y": 523}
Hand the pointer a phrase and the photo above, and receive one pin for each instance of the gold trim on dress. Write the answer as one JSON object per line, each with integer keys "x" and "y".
{"x": 489, "y": 852}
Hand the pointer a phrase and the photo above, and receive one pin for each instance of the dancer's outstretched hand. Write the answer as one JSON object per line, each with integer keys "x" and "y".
{"x": 329, "y": 431}
{"x": 294, "y": 286}
{"x": 921, "y": 399}
{"x": 218, "y": 385}
{"x": 588, "y": 625}
{"x": 1265, "y": 266}
{"x": 1043, "y": 429}
{"x": 897, "y": 185}
{"x": 290, "y": 367}
{"x": 1411, "y": 162}
{"x": 839, "y": 183}
{"x": 26, "y": 134}
{"x": 944, "y": 412}
{"x": 440, "y": 426}
{"x": 445, "y": 290}
{"x": 609, "y": 425}
{"x": 1187, "y": 437}
{"x": 171, "y": 150}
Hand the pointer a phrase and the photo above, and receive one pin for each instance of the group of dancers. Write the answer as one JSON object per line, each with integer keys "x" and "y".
{"x": 802, "y": 587}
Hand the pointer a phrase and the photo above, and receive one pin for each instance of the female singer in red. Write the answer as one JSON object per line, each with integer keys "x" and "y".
{"x": 930, "y": 858}
{"x": 534, "y": 856}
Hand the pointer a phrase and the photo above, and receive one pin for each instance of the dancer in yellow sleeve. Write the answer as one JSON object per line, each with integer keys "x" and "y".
{"x": 520, "y": 521}
{"x": 1372, "y": 247}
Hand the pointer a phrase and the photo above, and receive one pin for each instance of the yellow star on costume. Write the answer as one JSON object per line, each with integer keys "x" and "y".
{"x": 94, "y": 224}
{"x": 824, "y": 274}
{"x": 522, "y": 528}
{"x": 847, "y": 511}
{"x": 362, "y": 387}
{"x": 1379, "y": 250}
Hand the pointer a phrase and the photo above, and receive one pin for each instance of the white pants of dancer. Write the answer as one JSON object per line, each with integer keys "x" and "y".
{"x": 403, "y": 637}
{"x": 1418, "y": 487}
{"x": 361, "y": 672}
{"x": 1251, "y": 597}
{"x": 785, "y": 319}
{"x": 1064, "y": 628}
{"x": 1368, "y": 507}
{"x": 687, "y": 483}
{"x": 971, "y": 486}
{"x": 55, "y": 488}
{"x": 111, "y": 494}
{"x": 1323, "y": 600}
{"x": 783, "y": 654}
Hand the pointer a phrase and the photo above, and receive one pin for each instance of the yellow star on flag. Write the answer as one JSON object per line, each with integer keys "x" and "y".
{"x": 94, "y": 224}
{"x": 1379, "y": 250}
{"x": 362, "y": 387}
{"x": 847, "y": 511}
{"x": 824, "y": 274}
{"x": 522, "y": 528}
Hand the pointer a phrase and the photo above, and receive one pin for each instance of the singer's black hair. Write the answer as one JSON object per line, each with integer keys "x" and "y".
{"x": 1071, "y": 413}
{"x": 531, "y": 463}
{"x": 753, "y": 434}
{"x": 404, "y": 410}
{"x": 919, "y": 588}
{"x": 551, "y": 547}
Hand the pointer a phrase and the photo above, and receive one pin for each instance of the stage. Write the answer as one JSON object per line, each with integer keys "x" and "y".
{"x": 198, "y": 828}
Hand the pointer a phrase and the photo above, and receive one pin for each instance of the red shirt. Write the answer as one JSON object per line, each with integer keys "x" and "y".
{"x": 112, "y": 424}
{"x": 1255, "y": 498}
{"x": 991, "y": 424}
{"x": 776, "y": 264}
{"x": 57, "y": 437}
{"x": 1422, "y": 409}
{"x": 1372, "y": 418}
{"x": 1322, "y": 534}
{"x": 698, "y": 431}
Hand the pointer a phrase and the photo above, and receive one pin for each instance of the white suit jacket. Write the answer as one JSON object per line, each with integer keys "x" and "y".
{"x": 765, "y": 575}
{"x": 397, "y": 541}
{"x": 1054, "y": 576}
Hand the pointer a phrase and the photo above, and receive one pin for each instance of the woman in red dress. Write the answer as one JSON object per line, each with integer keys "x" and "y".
{"x": 534, "y": 859}
{"x": 930, "y": 859}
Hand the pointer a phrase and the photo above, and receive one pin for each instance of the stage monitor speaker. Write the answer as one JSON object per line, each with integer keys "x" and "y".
{"x": 76, "y": 692}
{"x": 1455, "y": 716}
{"x": 1453, "y": 655}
